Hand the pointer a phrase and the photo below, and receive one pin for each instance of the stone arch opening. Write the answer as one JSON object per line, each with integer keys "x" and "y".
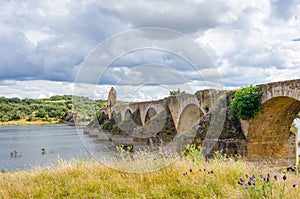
{"x": 189, "y": 118}
{"x": 102, "y": 116}
{"x": 127, "y": 115}
{"x": 151, "y": 112}
{"x": 269, "y": 138}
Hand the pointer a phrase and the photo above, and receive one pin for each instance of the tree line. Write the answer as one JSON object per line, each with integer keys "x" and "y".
{"x": 54, "y": 108}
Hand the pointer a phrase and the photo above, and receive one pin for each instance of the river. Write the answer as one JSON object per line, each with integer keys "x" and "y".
{"x": 59, "y": 141}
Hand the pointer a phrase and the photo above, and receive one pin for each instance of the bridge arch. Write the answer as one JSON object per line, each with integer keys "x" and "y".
{"x": 127, "y": 115}
{"x": 189, "y": 117}
{"x": 150, "y": 113}
{"x": 269, "y": 137}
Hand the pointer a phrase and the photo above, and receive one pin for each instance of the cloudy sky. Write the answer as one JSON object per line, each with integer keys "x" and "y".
{"x": 46, "y": 47}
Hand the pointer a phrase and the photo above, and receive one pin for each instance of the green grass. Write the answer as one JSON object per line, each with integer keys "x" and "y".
{"x": 82, "y": 179}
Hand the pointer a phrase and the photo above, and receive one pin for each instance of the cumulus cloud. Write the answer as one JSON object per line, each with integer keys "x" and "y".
{"x": 184, "y": 16}
{"x": 47, "y": 40}
{"x": 249, "y": 42}
{"x": 256, "y": 46}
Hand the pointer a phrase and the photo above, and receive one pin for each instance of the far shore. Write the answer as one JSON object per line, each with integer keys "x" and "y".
{"x": 25, "y": 122}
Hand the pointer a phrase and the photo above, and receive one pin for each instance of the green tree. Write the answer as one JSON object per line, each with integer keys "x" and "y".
{"x": 41, "y": 114}
{"x": 246, "y": 102}
{"x": 173, "y": 93}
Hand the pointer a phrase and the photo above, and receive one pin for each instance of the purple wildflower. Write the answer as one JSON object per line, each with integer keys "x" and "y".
{"x": 275, "y": 176}
{"x": 241, "y": 179}
{"x": 253, "y": 176}
{"x": 246, "y": 175}
{"x": 191, "y": 169}
{"x": 246, "y": 186}
{"x": 240, "y": 183}
{"x": 253, "y": 183}
{"x": 204, "y": 169}
{"x": 284, "y": 177}
{"x": 294, "y": 185}
{"x": 184, "y": 173}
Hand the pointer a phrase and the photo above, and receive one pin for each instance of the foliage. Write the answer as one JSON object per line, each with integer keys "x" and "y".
{"x": 194, "y": 152}
{"x": 124, "y": 151}
{"x": 54, "y": 108}
{"x": 246, "y": 102}
{"x": 178, "y": 92}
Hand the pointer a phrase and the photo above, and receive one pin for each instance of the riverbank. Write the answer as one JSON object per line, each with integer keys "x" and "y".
{"x": 185, "y": 178}
{"x": 25, "y": 122}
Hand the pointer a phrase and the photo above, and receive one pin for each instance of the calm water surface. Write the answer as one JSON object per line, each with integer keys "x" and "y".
{"x": 59, "y": 141}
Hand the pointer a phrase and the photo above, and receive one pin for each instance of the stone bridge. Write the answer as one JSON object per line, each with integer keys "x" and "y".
{"x": 268, "y": 137}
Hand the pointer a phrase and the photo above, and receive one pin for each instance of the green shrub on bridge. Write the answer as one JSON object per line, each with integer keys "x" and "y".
{"x": 246, "y": 102}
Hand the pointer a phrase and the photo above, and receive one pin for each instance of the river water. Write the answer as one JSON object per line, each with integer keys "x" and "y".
{"x": 59, "y": 141}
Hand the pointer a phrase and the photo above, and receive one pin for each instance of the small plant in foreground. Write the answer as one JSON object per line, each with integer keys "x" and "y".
{"x": 264, "y": 186}
{"x": 195, "y": 152}
{"x": 218, "y": 155}
{"x": 123, "y": 151}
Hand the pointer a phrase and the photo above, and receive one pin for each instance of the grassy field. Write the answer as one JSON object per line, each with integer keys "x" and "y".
{"x": 186, "y": 178}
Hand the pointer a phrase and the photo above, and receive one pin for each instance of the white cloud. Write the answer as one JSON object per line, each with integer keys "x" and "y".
{"x": 250, "y": 42}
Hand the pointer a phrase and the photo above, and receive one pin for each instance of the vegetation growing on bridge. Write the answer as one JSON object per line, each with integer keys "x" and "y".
{"x": 246, "y": 102}
{"x": 178, "y": 92}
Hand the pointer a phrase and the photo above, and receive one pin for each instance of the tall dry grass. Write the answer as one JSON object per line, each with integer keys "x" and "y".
{"x": 187, "y": 177}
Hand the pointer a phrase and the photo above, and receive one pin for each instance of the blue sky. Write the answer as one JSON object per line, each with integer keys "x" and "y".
{"x": 43, "y": 44}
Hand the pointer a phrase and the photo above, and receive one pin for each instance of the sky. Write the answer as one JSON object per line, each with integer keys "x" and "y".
{"x": 47, "y": 46}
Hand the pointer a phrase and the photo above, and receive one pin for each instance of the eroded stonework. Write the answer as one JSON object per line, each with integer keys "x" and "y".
{"x": 266, "y": 138}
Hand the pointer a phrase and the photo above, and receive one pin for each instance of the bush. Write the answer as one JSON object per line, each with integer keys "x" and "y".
{"x": 246, "y": 102}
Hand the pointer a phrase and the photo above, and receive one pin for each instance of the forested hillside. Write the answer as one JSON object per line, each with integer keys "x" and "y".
{"x": 52, "y": 109}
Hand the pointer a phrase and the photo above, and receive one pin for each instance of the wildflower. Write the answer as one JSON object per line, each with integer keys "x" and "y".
{"x": 246, "y": 175}
{"x": 249, "y": 183}
{"x": 191, "y": 169}
{"x": 275, "y": 176}
{"x": 241, "y": 179}
{"x": 253, "y": 176}
{"x": 261, "y": 175}
{"x": 184, "y": 173}
{"x": 294, "y": 185}
{"x": 253, "y": 183}
{"x": 246, "y": 186}
{"x": 204, "y": 169}
{"x": 284, "y": 177}
{"x": 240, "y": 183}
{"x": 200, "y": 170}
{"x": 211, "y": 171}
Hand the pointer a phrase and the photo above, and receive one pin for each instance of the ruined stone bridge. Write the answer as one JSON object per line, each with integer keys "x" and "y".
{"x": 267, "y": 136}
